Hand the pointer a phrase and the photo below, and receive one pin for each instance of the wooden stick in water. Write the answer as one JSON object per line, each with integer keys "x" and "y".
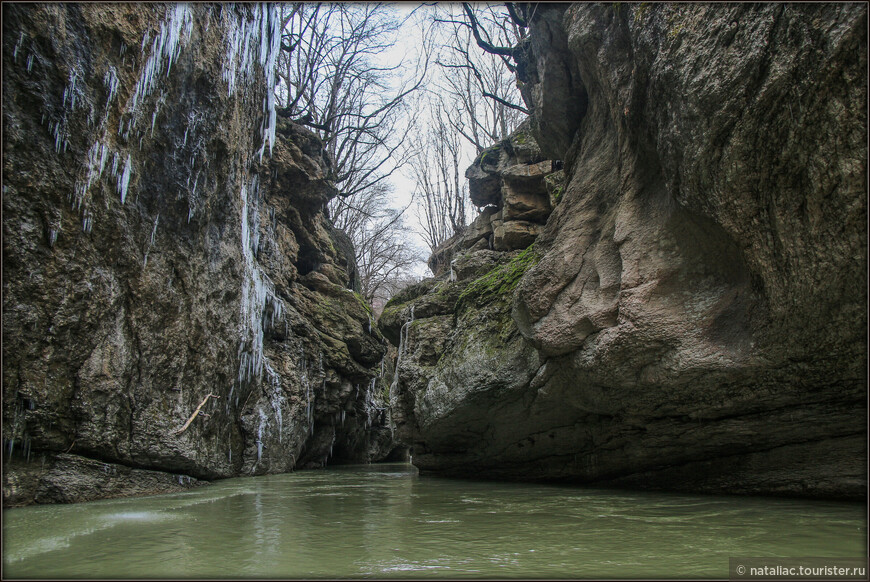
{"x": 195, "y": 412}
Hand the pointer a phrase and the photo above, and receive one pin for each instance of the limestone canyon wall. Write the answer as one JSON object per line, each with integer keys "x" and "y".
{"x": 165, "y": 240}
{"x": 692, "y": 314}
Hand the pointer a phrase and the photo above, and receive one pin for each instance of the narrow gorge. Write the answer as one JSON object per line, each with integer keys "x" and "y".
{"x": 665, "y": 286}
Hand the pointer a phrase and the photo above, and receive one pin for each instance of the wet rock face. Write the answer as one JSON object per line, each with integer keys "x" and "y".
{"x": 164, "y": 240}
{"x": 696, "y": 315}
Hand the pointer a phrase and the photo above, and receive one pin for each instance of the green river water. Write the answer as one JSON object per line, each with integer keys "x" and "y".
{"x": 385, "y": 521}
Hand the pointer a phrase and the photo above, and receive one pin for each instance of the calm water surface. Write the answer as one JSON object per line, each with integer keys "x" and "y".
{"x": 386, "y": 521}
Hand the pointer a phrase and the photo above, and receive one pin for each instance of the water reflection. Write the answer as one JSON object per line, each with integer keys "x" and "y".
{"x": 386, "y": 521}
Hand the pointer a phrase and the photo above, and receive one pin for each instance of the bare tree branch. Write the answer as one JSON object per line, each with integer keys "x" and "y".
{"x": 506, "y": 103}
{"x": 515, "y": 16}
{"x": 481, "y": 85}
{"x": 475, "y": 30}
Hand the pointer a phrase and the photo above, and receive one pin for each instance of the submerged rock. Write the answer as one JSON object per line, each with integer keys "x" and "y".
{"x": 165, "y": 240}
{"x": 692, "y": 315}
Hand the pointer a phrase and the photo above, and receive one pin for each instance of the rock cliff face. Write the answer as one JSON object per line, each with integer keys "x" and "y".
{"x": 165, "y": 245}
{"x": 692, "y": 315}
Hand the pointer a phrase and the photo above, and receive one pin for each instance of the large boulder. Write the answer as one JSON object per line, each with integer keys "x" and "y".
{"x": 514, "y": 234}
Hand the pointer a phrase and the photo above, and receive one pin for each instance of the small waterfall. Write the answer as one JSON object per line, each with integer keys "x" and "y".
{"x": 403, "y": 340}
{"x": 263, "y": 421}
{"x": 394, "y": 385}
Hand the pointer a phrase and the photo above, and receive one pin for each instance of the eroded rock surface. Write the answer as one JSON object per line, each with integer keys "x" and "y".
{"x": 164, "y": 240}
{"x": 692, "y": 315}
{"x": 515, "y": 189}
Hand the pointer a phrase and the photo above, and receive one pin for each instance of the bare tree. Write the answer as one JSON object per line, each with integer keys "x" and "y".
{"x": 474, "y": 101}
{"x": 331, "y": 81}
{"x": 483, "y": 85}
{"x": 380, "y": 238}
{"x": 437, "y": 168}
{"x": 385, "y": 257}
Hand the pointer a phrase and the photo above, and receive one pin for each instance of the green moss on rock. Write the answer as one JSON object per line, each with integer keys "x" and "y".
{"x": 486, "y": 156}
{"x": 363, "y": 303}
{"x": 410, "y": 293}
{"x": 499, "y": 282}
{"x": 521, "y": 138}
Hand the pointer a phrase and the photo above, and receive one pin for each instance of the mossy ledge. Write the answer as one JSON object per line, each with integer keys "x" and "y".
{"x": 498, "y": 282}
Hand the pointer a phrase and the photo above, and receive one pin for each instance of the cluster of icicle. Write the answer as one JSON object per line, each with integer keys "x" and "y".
{"x": 253, "y": 38}
{"x": 403, "y": 341}
{"x": 309, "y": 393}
{"x": 18, "y": 422}
{"x": 252, "y": 45}
{"x": 276, "y": 401}
{"x": 260, "y": 306}
{"x": 249, "y": 41}
{"x": 163, "y": 50}
{"x": 370, "y": 407}
{"x": 174, "y": 31}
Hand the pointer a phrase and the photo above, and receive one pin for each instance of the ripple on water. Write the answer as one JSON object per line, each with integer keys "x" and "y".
{"x": 357, "y": 522}
{"x": 140, "y": 516}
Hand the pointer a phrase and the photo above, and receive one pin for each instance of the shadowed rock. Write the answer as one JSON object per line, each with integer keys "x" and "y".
{"x": 692, "y": 315}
